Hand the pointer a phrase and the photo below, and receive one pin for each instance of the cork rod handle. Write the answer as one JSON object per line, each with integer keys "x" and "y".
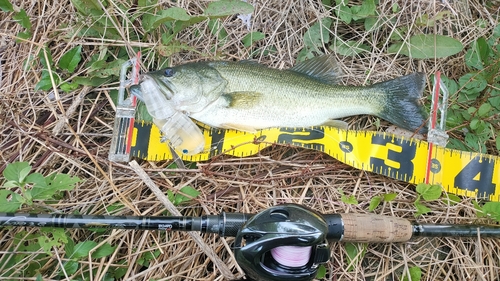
{"x": 375, "y": 228}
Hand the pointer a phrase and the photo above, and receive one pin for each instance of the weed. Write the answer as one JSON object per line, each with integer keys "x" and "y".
{"x": 419, "y": 46}
{"x": 21, "y": 17}
{"x": 475, "y": 105}
{"x": 427, "y": 192}
{"x": 186, "y": 194}
{"x": 24, "y": 188}
{"x": 355, "y": 253}
{"x": 414, "y": 274}
{"x": 489, "y": 210}
{"x": 347, "y": 199}
{"x": 376, "y": 200}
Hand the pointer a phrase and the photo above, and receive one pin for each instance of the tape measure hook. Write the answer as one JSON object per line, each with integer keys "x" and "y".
{"x": 125, "y": 113}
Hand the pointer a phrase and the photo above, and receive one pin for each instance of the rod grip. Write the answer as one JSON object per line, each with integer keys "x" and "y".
{"x": 369, "y": 228}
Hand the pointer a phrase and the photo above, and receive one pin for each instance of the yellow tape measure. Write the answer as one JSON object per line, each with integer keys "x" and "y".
{"x": 462, "y": 173}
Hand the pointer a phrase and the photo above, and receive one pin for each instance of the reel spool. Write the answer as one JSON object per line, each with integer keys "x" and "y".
{"x": 286, "y": 242}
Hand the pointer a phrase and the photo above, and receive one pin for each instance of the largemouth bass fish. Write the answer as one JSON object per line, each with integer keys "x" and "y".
{"x": 248, "y": 96}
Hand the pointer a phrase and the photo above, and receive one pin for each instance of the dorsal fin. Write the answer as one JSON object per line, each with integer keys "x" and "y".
{"x": 324, "y": 68}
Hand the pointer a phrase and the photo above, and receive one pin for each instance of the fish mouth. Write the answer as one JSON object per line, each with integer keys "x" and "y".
{"x": 165, "y": 87}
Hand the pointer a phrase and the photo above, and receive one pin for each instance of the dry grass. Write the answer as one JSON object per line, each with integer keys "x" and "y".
{"x": 70, "y": 133}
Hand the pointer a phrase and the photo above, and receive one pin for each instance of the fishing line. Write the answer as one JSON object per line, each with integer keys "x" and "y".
{"x": 292, "y": 256}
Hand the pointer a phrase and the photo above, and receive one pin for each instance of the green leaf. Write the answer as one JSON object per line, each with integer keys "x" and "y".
{"x": 83, "y": 249}
{"x": 23, "y": 19}
{"x": 7, "y": 204}
{"x": 344, "y": 13}
{"x": 103, "y": 251}
{"x": 90, "y": 81}
{"x": 17, "y": 171}
{"x": 217, "y": 29}
{"x": 68, "y": 87}
{"x": 106, "y": 69}
{"x": 69, "y": 248}
{"x": 45, "y": 187}
{"x": 355, "y": 253}
{"x": 170, "y": 196}
{"x": 170, "y": 14}
{"x": 472, "y": 85}
{"x": 252, "y": 37}
{"x": 474, "y": 143}
{"x": 429, "y": 192}
{"x": 318, "y": 34}
{"x": 349, "y": 199}
{"x": 366, "y": 9}
{"x": 492, "y": 209}
{"x": 426, "y": 46}
{"x": 147, "y": 3}
{"x": 321, "y": 273}
{"x": 374, "y": 202}
{"x": 497, "y": 141}
{"x": 473, "y": 60}
{"x": 421, "y": 209}
{"x": 484, "y": 109}
{"x": 349, "y": 48}
{"x": 187, "y": 190}
{"x": 483, "y": 49}
{"x": 49, "y": 60}
{"x": 452, "y": 199}
{"x": 173, "y": 48}
{"x": 36, "y": 179}
{"x": 227, "y": 8}
{"x": 415, "y": 274}
{"x": 24, "y": 35}
{"x": 45, "y": 82}
{"x": 496, "y": 31}
{"x": 89, "y": 8}
{"x": 11, "y": 184}
{"x": 6, "y": 6}
{"x": 352, "y": 252}
{"x": 52, "y": 237}
{"x": 70, "y": 60}
{"x": 62, "y": 181}
{"x": 70, "y": 267}
{"x": 390, "y": 196}
{"x": 147, "y": 257}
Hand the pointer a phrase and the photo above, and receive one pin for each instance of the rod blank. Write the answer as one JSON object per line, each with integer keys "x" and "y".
{"x": 225, "y": 224}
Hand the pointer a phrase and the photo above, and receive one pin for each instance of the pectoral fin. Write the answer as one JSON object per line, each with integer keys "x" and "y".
{"x": 242, "y": 99}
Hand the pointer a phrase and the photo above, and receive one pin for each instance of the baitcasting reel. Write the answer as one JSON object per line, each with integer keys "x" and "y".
{"x": 286, "y": 242}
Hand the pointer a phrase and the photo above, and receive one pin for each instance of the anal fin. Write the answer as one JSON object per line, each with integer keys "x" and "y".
{"x": 337, "y": 124}
{"x": 239, "y": 127}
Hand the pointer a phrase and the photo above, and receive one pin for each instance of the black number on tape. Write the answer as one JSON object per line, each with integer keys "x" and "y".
{"x": 404, "y": 169}
{"x": 143, "y": 137}
{"x": 298, "y": 138}
{"x": 477, "y": 175}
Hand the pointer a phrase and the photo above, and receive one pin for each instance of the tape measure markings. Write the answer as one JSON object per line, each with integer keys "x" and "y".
{"x": 462, "y": 173}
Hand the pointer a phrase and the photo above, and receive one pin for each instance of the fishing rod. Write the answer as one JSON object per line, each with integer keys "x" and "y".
{"x": 285, "y": 242}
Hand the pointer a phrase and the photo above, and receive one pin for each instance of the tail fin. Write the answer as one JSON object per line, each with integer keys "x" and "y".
{"x": 402, "y": 106}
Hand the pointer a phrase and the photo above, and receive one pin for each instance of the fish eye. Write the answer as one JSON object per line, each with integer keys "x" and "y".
{"x": 169, "y": 72}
